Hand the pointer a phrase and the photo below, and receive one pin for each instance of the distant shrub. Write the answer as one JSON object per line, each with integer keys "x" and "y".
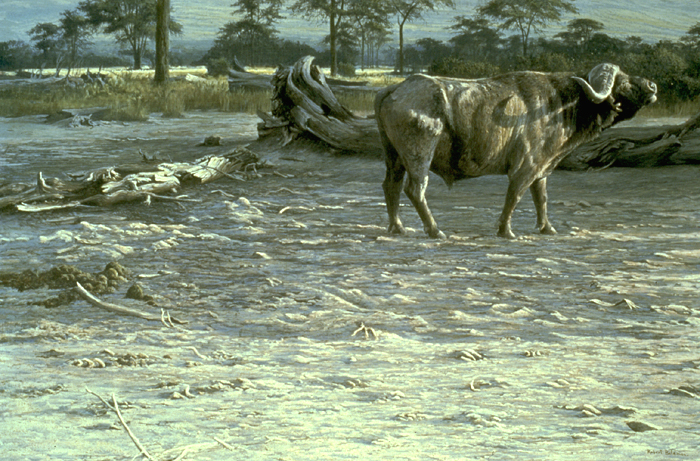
{"x": 218, "y": 67}
{"x": 346, "y": 69}
{"x": 455, "y": 67}
{"x": 552, "y": 62}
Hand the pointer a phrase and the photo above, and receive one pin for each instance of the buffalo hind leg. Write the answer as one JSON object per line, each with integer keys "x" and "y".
{"x": 538, "y": 189}
{"x": 415, "y": 190}
{"x": 392, "y": 185}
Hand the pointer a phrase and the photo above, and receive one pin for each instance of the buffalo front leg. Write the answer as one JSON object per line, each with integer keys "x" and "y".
{"x": 538, "y": 189}
{"x": 516, "y": 189}
{"x": 392, "y": 193}
{"x": 415, "y": 190}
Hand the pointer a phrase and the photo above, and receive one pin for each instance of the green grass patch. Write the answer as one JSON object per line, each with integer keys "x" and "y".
{"x": 131, "y": 97}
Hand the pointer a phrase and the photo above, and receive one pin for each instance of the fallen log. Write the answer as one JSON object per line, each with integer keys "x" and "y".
{"x": 110, "y": 186}
{"x": 304, "y": 109}
{"x": 304, "y": 106}
{"x": 238, "y": 79}
{"x": 640, "y": 147}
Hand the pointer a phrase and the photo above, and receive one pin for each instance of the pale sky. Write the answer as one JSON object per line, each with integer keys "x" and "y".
{"x": 651, "y": 19}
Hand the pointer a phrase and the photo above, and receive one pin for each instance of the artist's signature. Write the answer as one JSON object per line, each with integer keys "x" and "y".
{"x": 666, "y": 452}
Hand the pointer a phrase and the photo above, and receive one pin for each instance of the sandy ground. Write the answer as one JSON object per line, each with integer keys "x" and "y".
{"x": 576, "y": 346}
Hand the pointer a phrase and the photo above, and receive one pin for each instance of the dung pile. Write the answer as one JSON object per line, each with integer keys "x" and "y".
{"x": 64, "y": 277}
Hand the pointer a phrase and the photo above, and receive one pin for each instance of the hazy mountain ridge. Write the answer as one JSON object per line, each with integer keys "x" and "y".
{"x": 652, "y": 20}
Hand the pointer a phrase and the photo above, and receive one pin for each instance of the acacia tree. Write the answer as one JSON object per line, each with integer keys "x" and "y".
{"x": 256, "y": 30}
{"x": 47, "y": 39}
{"x": 579, "y": 33}
{"x": 332, "y": 10}
{"x": 474, "y": 39}
{"x": 14, "y": 54}
{"x": 132, "y": 22}
{"x": 377, "y": 36}
{"x": 410, "y": 10}
{"x": 526, "y": 16}
{"x": 368, "y": 16}
{"x": 75, "y": 31}
{"x": 692, "y": 37}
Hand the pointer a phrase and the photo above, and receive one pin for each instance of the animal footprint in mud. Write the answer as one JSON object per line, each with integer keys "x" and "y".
{"x": 589, "y": 411}
{"x": 367, "y": 330}
{"x": 88, "y": 363}
{"x": 186, "y": 394}
{"x": 469, "y": 355}
{"x": 686, "y": 391}
{"x": 476, "y": 384}
{"x": 410, "y": 416}
{"x": 533, "y": 353}
{"x": 129, "y": 359}
{"x": 353, "y": 383}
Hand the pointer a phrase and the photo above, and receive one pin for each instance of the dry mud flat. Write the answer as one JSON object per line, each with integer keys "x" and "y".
{"x": 577, "y": 346}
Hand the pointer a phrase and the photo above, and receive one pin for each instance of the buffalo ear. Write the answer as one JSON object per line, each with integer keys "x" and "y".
{"x": 599, "y": 85}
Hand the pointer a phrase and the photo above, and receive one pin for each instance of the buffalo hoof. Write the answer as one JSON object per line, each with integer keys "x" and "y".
{"x": 506, "y": 234}
{"x": 437, "y": 234}
{"x": 548, "y": 230}
{"x": 397, "y": 229}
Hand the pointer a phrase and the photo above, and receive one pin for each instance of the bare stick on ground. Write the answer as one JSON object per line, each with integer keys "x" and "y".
{"x": 115, "y": 409}
{"x": 87, "y": 296}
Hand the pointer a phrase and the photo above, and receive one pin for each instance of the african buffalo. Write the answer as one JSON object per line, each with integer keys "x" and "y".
{"x": 521, "y": 124}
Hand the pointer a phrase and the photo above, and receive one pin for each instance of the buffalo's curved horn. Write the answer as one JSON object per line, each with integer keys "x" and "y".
{"x": 600, "y": 82}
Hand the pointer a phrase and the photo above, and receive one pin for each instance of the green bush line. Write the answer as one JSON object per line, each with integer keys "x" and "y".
{"x": 133, "y": 97}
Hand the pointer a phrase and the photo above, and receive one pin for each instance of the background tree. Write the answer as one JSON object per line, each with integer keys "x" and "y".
{"x": 377, "y": 36}
{"x": 48, "y": 40}
{"x": 255, "y": 32}
{"x": 692, "y": 37}
{"x": 526, "y": 16}
{"x": 579, "y": 33}
{"x": 335, "y": 12}
{"x": 474, "y": 39}
{"x": 253, "y": 37}
{"x": 368, "y": 16}
{"x": 15, "y": 55}
{"x": 347, "y": 49}
{"x": 132, "y": 22}
{"x": 162, "y": 41}
{"x": 75, "y": 31}
{"x": 410, "y": 10}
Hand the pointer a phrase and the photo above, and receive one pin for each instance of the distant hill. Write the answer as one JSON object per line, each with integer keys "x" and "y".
{"x": 652, "y": 20}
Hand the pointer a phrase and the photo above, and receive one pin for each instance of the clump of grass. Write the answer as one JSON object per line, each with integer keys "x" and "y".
{"x": 131, "y": 97}
{"x": 361, "y": 102}
{"x": 678, "y": 109}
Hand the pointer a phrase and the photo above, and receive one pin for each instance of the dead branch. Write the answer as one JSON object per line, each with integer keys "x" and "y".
{"x": 87, "y": 296}
{"x": 115, "y": 409}
{"x": 135, "y": 182}
{"x": 304, "y": 105}
{"x": 183, "y": 451}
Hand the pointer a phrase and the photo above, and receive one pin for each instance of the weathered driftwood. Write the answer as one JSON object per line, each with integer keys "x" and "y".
{"x": 135, "y": 182}
{"x": 239, "y": 77}
{"x": 305, "y": 108}
{"x": 303, "y": 105}
{"x": 244, "y": 79}
{"x": 640, "y": 147}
